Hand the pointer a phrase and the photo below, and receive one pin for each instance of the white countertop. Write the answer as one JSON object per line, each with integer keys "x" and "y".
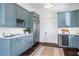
{"x": 16, "y": 36}
{"x": 69, "y": 33}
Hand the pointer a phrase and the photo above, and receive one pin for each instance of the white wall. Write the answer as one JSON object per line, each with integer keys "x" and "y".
{"x": 28, "y": 7}
{"x": 48, "y": 23}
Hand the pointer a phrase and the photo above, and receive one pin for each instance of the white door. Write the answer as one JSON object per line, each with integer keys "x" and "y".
{"x": 50, "y": 35}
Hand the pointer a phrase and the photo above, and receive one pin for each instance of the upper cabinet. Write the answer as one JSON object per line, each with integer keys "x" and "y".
{"x": 22, "y": 14}
{"x": 78, "y": 18}
{"x": 7, "y": 15}
{"x": 10, "y": 15}
{"x": 13, "y": 15}
{"x": 68, "y": 19}
{"x": 19, "y": 12}
{"x": 32, "y": 17}
{"x": 73, "y": 19}
{"x": 61, "y": 19}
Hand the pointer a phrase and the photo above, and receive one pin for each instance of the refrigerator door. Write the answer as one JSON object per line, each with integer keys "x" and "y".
{"x": 36, "y": 31}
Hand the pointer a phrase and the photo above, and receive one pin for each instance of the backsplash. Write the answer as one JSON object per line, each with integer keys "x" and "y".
{"x": 71, "y": 30}
{"x": 10, "y": 31}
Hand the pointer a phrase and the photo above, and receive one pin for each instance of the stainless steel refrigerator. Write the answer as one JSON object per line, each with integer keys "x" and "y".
{"x": 36, "y": 30}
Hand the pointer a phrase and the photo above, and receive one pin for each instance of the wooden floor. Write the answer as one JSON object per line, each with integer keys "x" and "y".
{"x": 47, "y": 51}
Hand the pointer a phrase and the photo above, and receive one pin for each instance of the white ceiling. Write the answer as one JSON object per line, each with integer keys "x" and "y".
{"x": 37, "y": 5}
{"x": 57, "y": 6}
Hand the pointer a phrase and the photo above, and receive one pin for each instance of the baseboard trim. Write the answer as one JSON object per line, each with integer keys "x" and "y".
{"x": 48, "y": 44}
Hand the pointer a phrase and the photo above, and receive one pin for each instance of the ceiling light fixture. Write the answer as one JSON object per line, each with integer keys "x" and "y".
{"x": 48, "y": 5}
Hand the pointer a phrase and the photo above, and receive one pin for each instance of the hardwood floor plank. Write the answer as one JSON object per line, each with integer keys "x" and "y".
{"x": 33, "y": 53}
{"x": 61, "y": 52}
{"x": 48, "y": 51}
{"x": 56, "y": 52}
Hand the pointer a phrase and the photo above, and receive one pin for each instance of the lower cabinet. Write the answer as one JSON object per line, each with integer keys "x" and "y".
{"x": 78, "y": 41}
{"x": 30, "y": 41}
{"x": 15, "y": 46}
{"x": 73, "y": 41}
{"x": 4, "y": 47}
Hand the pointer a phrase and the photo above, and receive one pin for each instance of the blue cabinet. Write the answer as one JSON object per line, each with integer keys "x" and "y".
{"x": 77, "y": 18}
{"x": 61, "y": 19}
{"x": 4, "y": 47}
{"x": 77, "y": 41}
{"x": 73, "y": 18}
{"x": 8, "y": 14}
{"x": 64, "y": 19}
{"x": 26, "y": 17}
{"x": 30, "y": 22}
{"x": 32, "y": 17}
{"x": 19, "y": 12}
{"x": 15, "y": 46}
{"x": 30, "y": 41}
{"x": 21, "y": 44}
{"x": 68, "y": 19}
{"x": 23, "y": 15}
{"x": 1, "y": 13}
{"x": 73, "y": 41}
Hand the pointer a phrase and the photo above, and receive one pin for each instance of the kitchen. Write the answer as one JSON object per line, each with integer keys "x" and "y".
{"x": 24, "y": 26}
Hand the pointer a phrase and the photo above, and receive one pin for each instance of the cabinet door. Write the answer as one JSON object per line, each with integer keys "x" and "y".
{"x": 61, "y": 19}
{"x": 77, "y": 18}
{"x": 77, "y": 41}
{"x": 27, "y": 18}
{"x": 22, "y": 43}
{"x": 10, "y": 15}
{"x": 73, "y": 17}
{"x": 73, "y": 41}
{"x": 19, "y": 12}
{"x": 26, "y": 43}
{"x": 30, "y": 41}
{"x": 15, "y": 46}
{"x": 30, "y": 21}
{"x": 4, "y": 47}
{"x": 1, "y": 12}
